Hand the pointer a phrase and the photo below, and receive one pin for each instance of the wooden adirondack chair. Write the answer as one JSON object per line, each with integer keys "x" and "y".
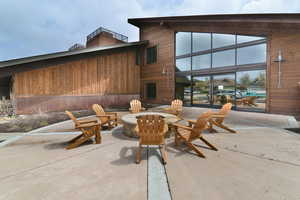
{"x": 151, "y": 130}
{"x": 78, "y": 122}
{"x": 136, "y": 106}
{"x": 88, "y": 128}
{"x": 175, "y": 108}
{"x": 250, "y": 101}
{"x": 217, "y": 119}
{"x": 109, "y": 119}
{"x": 187, "y": 134}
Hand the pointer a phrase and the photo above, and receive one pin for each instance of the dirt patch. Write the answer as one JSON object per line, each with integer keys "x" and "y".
{"x": 25, "y": 123}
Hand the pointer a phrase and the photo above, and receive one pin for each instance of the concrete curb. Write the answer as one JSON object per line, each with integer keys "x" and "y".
{"x": 158, "y": 187}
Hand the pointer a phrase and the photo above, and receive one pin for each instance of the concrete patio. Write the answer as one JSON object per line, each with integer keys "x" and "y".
{"x": 262, "y": 161}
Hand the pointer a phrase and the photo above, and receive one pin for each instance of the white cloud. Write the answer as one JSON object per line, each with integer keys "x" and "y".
{"x": 271, "y": 6}
{"x": 36, "y": 27}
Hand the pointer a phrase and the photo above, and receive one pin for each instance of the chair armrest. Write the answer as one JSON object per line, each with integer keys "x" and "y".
{"x": 217, "y": 116}
{"x": 84, "y": 121}
{"x": 88, "y": 125}
{"x": 103, "y": 115}
{"x": 111, "y": 113}
{"x": 192, "y": 121}
{"x": 182, "y": 126}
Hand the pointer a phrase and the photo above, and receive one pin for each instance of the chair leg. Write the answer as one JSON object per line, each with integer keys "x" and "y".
{"x": 226, "y": 128}
{"x": 138, "y": 155}
{"x": 211, "y": 129}
{"x": 208, "y": 144}
{"x": 191, "y": 146}
{"x": 77, "y": 142}
{"x": 163, "y": 154}
{"x": 98, "y": 135}
{"x": 76, "y": 138}
{"x": 176, "y": 139}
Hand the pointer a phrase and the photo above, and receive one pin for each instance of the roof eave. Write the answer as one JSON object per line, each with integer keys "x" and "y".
{"x": 38, "y": 58}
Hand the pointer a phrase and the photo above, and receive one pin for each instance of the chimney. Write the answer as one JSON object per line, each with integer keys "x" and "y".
{"x": 104, "y": 37}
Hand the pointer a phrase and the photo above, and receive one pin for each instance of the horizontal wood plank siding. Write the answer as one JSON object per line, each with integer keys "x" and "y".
{"x": 163, "y": 38}
{"x": 285, "y": 100}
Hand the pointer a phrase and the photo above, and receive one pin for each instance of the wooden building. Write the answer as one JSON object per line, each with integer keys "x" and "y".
{"x": 74, "y": 80}
{"x": 250, "y": 60}
{"x": 201, "y": 59}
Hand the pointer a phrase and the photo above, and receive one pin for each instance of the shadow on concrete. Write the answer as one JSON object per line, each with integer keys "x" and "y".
{"x": 127, "y": 156}
{"x": 63, "y": 145}
{"x": 182, "y": 149}
{"x": 118, "y": 133}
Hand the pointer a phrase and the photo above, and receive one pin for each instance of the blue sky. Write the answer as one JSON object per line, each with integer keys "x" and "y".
{"x": 33, "y": 27}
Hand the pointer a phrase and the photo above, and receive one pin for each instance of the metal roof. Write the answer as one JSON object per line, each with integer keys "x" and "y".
{"x": 26, "y": 60}
{"x": 261, "y": 17}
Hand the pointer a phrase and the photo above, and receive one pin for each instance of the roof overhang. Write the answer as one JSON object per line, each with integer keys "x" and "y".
{"x": 62, "y": 54}
{"x": 267, "y": 18}
{"x": 10, "y": 67}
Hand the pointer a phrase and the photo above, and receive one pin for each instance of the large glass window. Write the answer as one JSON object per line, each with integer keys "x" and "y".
{"x": 223, "y": 58}
{"x": 252, "y": 54}
{"x": 201, "y": 41}
{"x": 223, "y": 89}
{"x": 214, "y": 68}
{"x": 222, "y": 40}
{"x": 183, "y": 64}
{"x": 246, "y": 38}
{"x": 201, "y": 62}
{"x": 183, "y": 88}
{"x": 196, "y": 51}
{"x": 251, "y": 87}
{"x": 183, "y": 43}
{"x": 201, "y": 90}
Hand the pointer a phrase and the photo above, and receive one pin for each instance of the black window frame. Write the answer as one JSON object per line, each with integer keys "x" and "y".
{"x": 151, "y": 55}
{"x": 153, "y": 94}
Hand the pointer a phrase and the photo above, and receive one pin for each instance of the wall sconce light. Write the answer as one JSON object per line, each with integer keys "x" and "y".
{"x": 279, "y": 60}
{"x": 164, "y": 71}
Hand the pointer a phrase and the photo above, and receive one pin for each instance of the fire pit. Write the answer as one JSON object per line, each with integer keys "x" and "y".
{"x": 130, "y": 121}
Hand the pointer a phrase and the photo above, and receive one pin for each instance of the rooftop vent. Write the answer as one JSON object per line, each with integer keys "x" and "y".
{"x": 115, "y": 35}
{"x": 76, "y": 47}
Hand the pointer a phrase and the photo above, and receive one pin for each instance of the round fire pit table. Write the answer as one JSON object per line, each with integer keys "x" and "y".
{"x": 130, "y": 122}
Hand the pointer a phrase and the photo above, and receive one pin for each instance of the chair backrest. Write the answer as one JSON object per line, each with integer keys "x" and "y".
{"x": 151, "y": 129}
{"x": 98, "y": 109}
{"x": 176, "y": 104}
{"x": 73, "y": 118}
{"x": 201, "y": 124}
{"x": 251, "y": 99}
{"x": 228, "y": 98}
{"x": 224, "y": 111}
{"x": 135, "y": 106}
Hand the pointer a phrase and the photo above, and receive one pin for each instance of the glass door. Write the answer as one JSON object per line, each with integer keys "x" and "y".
{"x": 201, "y": 90}
{"x": 223, "y": 89}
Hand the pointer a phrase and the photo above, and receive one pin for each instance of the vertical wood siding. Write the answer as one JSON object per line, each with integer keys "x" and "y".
{"x": 114, "y": 73}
